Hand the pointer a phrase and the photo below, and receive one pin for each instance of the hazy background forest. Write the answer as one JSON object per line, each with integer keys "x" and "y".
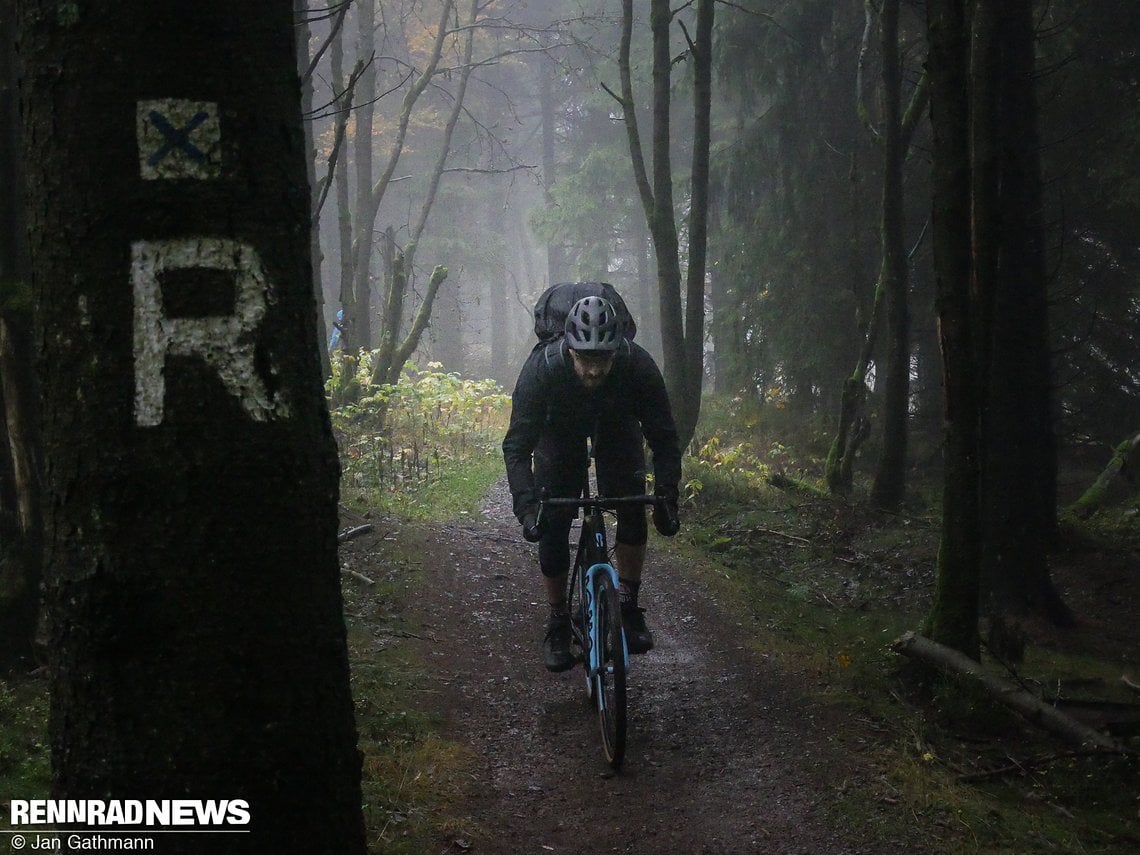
{"x": 885, "y": 251}
{"x": 537, "y": 187}
{"x": 764, "y": 205}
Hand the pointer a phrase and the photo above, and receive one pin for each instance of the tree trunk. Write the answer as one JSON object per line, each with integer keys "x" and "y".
{"x": 343, "y": 195}
{"x": 890, "y": 476}
{"x": 22, "y": 555}
{"x": 701, "y": 54}
{"x": 890, "y": 301}
{"x": 358, "y": 311}
{"x": 555, "y": 262}
{"x": 928, "y": 394}
{"x": 1020, "y": 461}
{"x": 682, "y": 332}
{"x": 197, "y": 641}
{"x": 953, "y": 618}
{"x": 497, "y": 300}
{"x": 650, "y": 327}
{"x": 304, "y": 34}
{"x": 391, "y": 361}
{"x": 21, "y": 524}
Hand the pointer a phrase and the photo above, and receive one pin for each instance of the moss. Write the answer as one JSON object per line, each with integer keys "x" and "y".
{"x": 1115, "y": 483}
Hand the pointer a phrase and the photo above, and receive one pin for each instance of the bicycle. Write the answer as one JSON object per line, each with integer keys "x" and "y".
{"x": 595, "y": 609}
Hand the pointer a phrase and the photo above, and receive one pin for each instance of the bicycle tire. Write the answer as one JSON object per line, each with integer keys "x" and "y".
{"x": 584, "y": 623}
{"x": 576, "y": 601}
{"x": 609, "y": 690}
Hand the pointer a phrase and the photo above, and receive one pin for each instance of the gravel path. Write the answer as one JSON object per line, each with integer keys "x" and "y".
{"x": 725, "y": 752}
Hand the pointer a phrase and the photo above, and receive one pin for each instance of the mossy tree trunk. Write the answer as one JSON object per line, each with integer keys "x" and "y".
{"x": 1118, "y": 481}
{"x": 890, "y": 296}
{"x": 197, "y": 639}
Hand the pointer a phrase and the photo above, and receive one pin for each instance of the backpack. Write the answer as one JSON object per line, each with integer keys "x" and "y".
{"x": 556, "y": 302}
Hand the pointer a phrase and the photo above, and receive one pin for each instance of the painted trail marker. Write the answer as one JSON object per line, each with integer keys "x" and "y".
{"x": 225, "y": 342}
{"x": 178, "y": 139}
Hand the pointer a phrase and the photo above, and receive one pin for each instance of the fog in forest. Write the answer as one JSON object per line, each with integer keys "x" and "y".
{"x": 886, "y": 257}
{"x": 491, "y": 139}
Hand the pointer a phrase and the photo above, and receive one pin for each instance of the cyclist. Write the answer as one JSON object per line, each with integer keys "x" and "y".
{"x": 592, "y": 376}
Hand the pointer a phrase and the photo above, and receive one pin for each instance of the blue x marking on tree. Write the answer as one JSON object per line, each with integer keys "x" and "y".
{"x": 177, "y": 138}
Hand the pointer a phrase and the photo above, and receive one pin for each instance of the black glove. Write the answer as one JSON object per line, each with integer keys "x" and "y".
{"x": 532, "y": 529}
{"x": 666, "y": 518}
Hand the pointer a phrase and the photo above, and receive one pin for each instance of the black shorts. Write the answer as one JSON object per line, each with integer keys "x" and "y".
{"x": 560, "y": 467}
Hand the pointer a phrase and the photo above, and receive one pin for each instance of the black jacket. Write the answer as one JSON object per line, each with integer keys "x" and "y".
{"x": 549, "y": 400}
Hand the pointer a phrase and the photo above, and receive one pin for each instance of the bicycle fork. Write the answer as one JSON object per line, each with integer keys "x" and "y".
{"x": 593, "y": 631}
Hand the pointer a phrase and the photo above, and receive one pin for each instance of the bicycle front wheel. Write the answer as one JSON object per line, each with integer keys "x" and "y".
{"x": 609, "y": 689}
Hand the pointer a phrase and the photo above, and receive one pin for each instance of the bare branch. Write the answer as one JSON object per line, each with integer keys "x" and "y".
{"x": 338, "y": 139}
{"x": 864, "y": 50}
{"x": 333, "y": 32}
{"x": 637, "y": 156}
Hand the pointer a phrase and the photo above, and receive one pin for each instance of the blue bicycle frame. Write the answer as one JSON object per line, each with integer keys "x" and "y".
{"x": 594, "y": 663}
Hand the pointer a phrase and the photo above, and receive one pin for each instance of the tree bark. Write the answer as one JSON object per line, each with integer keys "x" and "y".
{"x": 682, "y": 327}
{"x": 303, "y": 63}
{"x": 1019, "y": 469}
{"x": 890, "y": 475}
{"x": 953, "y": 618}
{"x": 21, "y": 522}
{"x": 183, "y": 410}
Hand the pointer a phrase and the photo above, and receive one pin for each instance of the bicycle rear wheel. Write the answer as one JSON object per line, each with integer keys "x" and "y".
{"x": 609, "y": 690}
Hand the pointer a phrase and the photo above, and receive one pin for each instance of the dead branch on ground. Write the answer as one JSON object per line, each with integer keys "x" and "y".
{"x": 1006, "y": 693}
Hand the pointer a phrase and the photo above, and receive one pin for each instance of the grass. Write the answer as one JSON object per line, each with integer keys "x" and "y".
{"x": 25, "y": 767}
{"x": 454, "y": 492}
{"x": 825, "y": 585}
{"x": 414, "y": 779}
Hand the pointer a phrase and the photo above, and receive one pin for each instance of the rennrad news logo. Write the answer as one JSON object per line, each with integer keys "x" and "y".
{"x": 171, "y": 813}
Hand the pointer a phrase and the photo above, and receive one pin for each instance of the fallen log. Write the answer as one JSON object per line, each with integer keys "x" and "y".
{"x": 350, "y": 533}
{"x": 1006, "y": 693}
{"x": 360, "y": 576}
{"x": 1117, "y": 483}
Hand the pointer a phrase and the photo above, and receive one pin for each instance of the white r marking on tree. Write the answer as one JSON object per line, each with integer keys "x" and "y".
{"x": 226, "y": 342}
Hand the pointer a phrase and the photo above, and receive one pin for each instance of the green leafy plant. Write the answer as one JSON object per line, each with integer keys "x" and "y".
{"x": 399, "y": 441}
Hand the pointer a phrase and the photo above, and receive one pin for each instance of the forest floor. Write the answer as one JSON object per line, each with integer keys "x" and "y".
{"x": 770, "y": 717}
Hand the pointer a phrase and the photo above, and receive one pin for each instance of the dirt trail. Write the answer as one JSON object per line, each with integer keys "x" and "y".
{"x": 725, "y": 753}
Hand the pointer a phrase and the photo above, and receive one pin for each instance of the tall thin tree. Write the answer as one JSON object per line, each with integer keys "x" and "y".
{"x": 953, "y": 618}
{"x": 682, "y": 321}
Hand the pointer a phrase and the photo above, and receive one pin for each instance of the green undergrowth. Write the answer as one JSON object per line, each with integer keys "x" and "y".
{"x": 826, "y": 584}
{"x": 25, "y": 764}
{"x": 424, "y": 451}
{"x": 413, "y": 778}
{"x": 421, "y": 448}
